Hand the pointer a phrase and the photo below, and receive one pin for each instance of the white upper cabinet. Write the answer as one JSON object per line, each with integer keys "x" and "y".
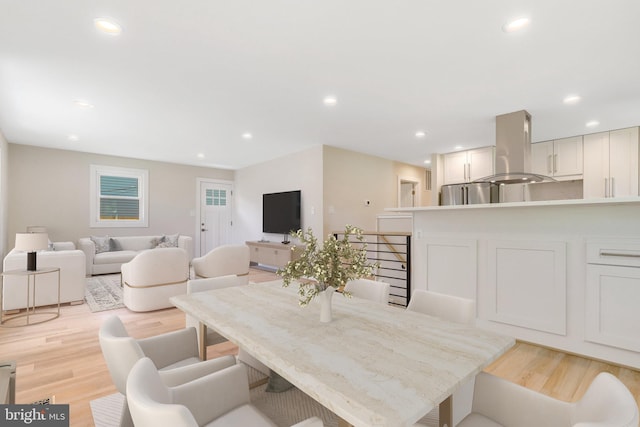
{"x": 560, "y": 158}
{"x": 467, "y": 166}
{"x": 611, "y": 164}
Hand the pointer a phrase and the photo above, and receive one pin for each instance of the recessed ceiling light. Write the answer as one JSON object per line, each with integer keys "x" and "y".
{"x": 458, "y": 147}
{"x": 420, "y": 134}
{"x": 200, "y": 155}
{"x": 592, "y": 123}
{"x": 83, "y": 104}
{"x": 571, "y": 99}
{"x": 107, "y": 26}
{"x": 330, "y": 100}
{"x": 247, "y": 135}
{"x": 427, "y": 162}
{"x": 73, "y": 137}
{"x": 515, "y": 25}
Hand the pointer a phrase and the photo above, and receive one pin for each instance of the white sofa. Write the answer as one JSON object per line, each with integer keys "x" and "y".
{"x": 123, "y": 250}
{"x": 72, "y": 278}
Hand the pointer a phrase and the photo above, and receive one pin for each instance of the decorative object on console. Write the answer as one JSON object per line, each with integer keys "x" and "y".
{"x": 30, "y": 243}
{"x": 330, "y": 266}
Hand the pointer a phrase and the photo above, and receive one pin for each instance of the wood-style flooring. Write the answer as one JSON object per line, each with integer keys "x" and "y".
{"x": 62, "y": 358}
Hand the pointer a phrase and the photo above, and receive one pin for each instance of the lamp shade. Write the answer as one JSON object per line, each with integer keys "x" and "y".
{"x": 31, "y": 242}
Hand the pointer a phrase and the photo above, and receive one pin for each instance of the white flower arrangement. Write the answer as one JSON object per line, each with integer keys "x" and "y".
{"x": 332, "y": 265}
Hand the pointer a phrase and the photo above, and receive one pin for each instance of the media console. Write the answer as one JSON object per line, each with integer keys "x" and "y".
{"x": 271, "y": 255}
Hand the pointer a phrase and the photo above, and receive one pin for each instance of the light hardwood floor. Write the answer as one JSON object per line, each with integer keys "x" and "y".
{"x": 62, "y": 358}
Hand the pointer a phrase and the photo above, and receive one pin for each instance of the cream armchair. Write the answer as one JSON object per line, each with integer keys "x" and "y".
{"x": 497, "y": 402}
{"x": 218, "y": 399}
{"x": 174, "y": 353}
{"x": 223, "y": 261}
{"x": 154, "y": 276}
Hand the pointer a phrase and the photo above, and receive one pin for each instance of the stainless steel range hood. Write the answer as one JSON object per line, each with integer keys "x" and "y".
{"x": 513, "y": 151}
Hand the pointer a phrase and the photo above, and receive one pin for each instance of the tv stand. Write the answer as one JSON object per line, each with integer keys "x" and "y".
{"x": 272, "y": 255}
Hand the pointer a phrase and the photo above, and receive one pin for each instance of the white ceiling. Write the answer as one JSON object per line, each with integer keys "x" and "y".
{"x": 191, "y": 77}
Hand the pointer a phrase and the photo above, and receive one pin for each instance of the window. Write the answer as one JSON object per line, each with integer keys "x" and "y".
{"x": 216, "y": 197}
{"x": 119, "y": 197}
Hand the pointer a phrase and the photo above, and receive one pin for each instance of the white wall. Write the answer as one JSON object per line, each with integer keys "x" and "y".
{"x": 297, "y": 171}
{"x": 50, "y": 187}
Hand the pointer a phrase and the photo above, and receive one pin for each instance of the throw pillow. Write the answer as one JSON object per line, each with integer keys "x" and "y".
{"x": 102, "y": 243}
{"x": 156, "y": 241}
{"x": 171, "y": 240}
{"x": 114, "y": 245}
{"x": 165, "y": 245}
{"x": 277, "y": 384}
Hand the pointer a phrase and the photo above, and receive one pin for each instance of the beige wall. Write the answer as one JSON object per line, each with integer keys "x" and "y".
{"x": 50, "y": 187}
{"x": 417, "y": 174}
{"x": 297, "y": 171}
{"x": 4, "y": 193}
{"x": 351, "y": 178}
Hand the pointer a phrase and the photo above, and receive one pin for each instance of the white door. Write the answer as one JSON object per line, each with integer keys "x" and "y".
{"x": 215, "y": 215}
{"x": 407, "y": 194}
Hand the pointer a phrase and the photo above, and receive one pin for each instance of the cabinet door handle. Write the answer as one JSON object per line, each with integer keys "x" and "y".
{"x": 620, "y": 254}
{"x": 606, "y": 187}
{"x": 613, "y": 187}
{"x": 555, "y": 163}
{"x": 549, "y": 167}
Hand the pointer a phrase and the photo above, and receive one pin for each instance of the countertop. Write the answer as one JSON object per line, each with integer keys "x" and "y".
{"x": 545, "y": 203}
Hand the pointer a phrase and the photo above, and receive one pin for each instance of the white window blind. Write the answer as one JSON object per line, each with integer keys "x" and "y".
{"x": 119, "y": 197}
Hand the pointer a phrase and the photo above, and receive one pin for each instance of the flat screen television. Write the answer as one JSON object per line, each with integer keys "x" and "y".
{"x": 281, "y": 212}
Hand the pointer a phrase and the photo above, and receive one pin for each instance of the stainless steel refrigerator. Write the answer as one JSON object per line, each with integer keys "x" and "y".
{"x": 469, "y": 194}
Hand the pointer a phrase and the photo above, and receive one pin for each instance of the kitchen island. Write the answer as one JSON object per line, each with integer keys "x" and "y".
{"x": 563, "y": 274}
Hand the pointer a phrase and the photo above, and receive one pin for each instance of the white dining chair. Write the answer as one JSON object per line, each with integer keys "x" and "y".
{"x": 174, "y": 353}
{"x": 218, "y": 399}
{"x": 454, "y": 309}
{"x": 210, "y": 284}
{"x": 369, "y": 289}
{"x": 498, "y": 402}
{"x": 448, "y": 307}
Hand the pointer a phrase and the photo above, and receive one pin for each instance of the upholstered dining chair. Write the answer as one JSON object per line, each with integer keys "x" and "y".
{"x": 369, "y": 289}
{"x": 454, "y": 309}
{"x": 218, "y": 399}
{"x": 448, "y": 307}
{"x": 498, "y": 402}
{"x": 174, "y": 353}
{"x": 223, "y": 261}
{"x": 202, "y": 285}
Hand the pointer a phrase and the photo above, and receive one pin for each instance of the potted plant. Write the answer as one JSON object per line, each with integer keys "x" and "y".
{"x": 320, "y": 270}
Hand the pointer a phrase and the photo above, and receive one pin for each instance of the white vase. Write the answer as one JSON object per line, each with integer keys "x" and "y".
{"x": 325, "y": 304}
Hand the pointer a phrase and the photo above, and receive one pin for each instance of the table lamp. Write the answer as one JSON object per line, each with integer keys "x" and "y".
{"x": 30, "y": 243}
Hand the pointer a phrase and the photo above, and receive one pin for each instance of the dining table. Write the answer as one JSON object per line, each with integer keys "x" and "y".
{"x": 372, "y": 364}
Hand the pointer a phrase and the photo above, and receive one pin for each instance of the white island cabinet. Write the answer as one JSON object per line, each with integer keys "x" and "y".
{"x": 526, "y": 265}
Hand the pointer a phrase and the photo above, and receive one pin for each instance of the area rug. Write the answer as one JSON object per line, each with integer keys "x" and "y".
{"x": 103, "y": 292}
{"x": 285, "y": 409}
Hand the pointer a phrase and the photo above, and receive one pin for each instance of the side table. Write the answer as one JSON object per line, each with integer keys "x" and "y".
{"x": 31, "y": 299}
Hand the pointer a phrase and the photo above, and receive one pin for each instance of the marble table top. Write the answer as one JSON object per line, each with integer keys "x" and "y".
{"x": 372, "y": 365}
